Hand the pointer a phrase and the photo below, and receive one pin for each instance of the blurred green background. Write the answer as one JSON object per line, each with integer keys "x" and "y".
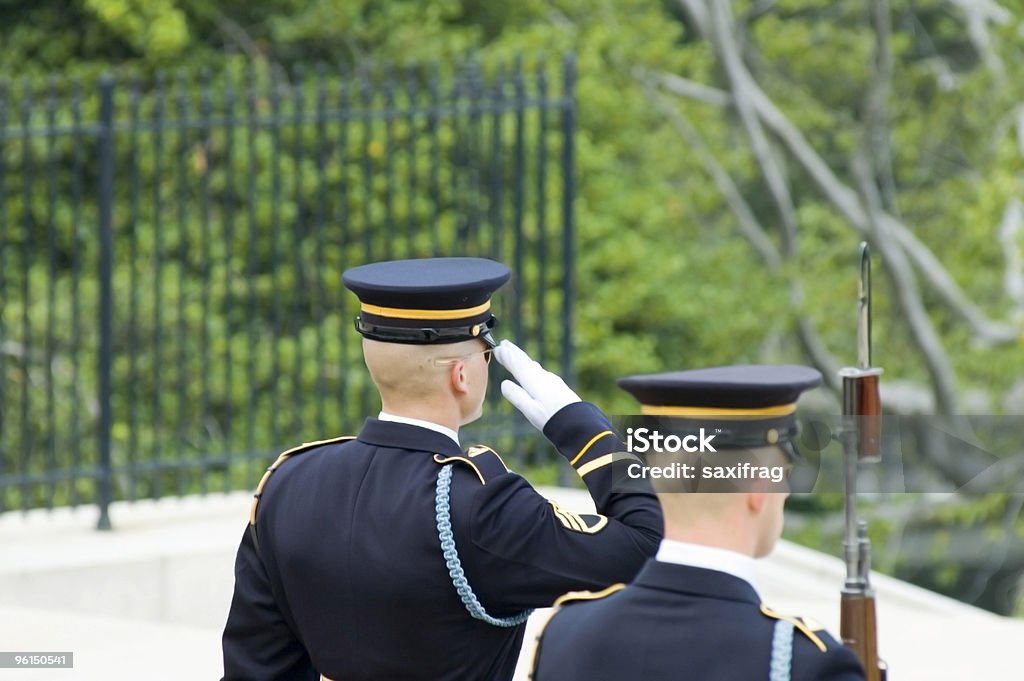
{"x": 729, "y": 159}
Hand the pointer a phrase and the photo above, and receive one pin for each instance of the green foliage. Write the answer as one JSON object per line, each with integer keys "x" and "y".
{"x": 155, "y": 28}
{"x": 233, "y": 220}
{"x": 665, "y": 279}
{"x": 412, "y": 31}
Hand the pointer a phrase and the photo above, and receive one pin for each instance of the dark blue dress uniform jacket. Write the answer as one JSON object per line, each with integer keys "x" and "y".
{"x": 678, "y": 622}
{"x": 349, "y": 580}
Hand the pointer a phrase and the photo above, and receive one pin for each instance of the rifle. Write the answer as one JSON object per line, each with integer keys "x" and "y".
{"x": 861, "y": 435}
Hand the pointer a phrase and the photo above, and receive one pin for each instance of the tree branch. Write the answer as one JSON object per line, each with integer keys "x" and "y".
{"x": 696, "y": 91}
{"x": 750, "y": 228}
{"x": 876, "y": 118}
{"x": 978, "y": 14}
{"x": 1000, "y": 553}
{"x": 748, "y": 223}
{"x": 724, "y": 41}
{"x": 845, "y": 201}
{"x": 698, "y": 14}
{"x": 1010, "y": 229}
{"x": 236, "y": 34}
{"x": 1020, "y": 129}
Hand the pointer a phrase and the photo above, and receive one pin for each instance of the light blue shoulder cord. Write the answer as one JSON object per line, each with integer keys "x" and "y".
{"x": 782, "y": 652}
{"x": 451, "y": 557}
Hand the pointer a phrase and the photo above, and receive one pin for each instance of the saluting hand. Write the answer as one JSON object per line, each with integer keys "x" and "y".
{"x": 540, "y": 394}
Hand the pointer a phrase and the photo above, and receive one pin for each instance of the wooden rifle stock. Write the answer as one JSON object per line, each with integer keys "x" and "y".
{"x": 858, "y": 629}
{"x": 865, "y": 405}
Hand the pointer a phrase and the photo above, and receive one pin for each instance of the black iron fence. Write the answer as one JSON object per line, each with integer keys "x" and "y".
{"x": 171, "y": 249}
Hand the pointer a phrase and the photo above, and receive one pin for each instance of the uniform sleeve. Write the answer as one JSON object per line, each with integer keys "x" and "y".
{"x": 838, "y": 663}
{"x": 258, "y": 644}
{"x": 527, "y": 551}
{"x": 585, "y": 437}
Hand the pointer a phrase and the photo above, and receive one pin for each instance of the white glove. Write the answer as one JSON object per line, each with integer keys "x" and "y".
{"x": 539, "y": 394}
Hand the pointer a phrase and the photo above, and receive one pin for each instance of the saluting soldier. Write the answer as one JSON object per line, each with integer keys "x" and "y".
{"x": 400, "y": 554}
{"x": 693, "y": 612}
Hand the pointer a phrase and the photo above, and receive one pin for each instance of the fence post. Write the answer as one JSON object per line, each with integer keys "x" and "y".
{"x": 106, "y": 289}
{"x": 568, "y": 110}
{"x": 568, "y": 194}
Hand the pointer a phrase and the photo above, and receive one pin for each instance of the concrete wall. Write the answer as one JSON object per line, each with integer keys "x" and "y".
{"x": 149, "y": 599}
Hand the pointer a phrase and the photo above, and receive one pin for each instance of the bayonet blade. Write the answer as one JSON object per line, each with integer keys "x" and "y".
{"x": 864, "y": 308}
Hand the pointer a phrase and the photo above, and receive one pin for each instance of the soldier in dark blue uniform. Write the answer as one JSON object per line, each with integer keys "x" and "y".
{"x": 693, "y": 612}
{"x": 399, "y": 554}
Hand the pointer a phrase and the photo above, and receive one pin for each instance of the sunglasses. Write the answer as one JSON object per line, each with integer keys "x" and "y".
{"x": 486, "y": 352}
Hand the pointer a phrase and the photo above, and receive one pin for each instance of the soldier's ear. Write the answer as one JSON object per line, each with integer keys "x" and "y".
{"x": 457, "y": 377}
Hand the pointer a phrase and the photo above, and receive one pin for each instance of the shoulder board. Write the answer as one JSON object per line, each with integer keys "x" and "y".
{"x": 574, "y": 596}
{"x": 294, "y": 451}
{"x": 805, "y": 627}
{"x": 484, "y": 461}
{"x": 566, "y": 599}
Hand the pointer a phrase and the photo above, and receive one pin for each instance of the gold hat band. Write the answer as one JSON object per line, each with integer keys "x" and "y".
{"x": 408, "y": 313}
{"x": 718, "y": 412}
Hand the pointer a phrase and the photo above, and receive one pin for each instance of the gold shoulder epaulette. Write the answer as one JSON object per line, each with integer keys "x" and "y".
{"x": 806, "y": 627}
{"x": 812, "y": 624}
{"x": 573, "y": 596}
{"x": 304, "y": 447}
{"x": 485, "y": 462}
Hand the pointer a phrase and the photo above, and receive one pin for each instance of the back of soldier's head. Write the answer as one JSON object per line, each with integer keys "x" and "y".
{"x": 716, "y": 445}
{"x": 415, "y": 315}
